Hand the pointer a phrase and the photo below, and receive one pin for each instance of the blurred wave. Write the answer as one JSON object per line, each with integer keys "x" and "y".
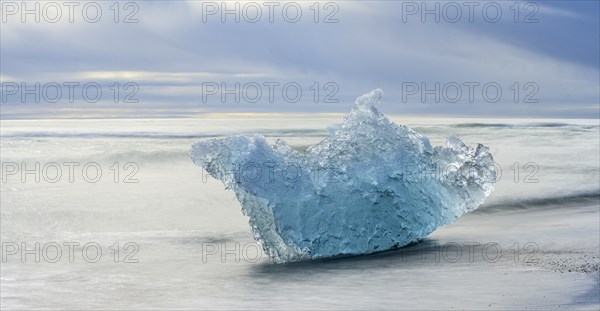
{"x": 576, "y": 198}
{"x": 522, "y": 125}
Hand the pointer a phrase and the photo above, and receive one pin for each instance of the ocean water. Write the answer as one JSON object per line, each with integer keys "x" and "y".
{"x": 124, "y": 220}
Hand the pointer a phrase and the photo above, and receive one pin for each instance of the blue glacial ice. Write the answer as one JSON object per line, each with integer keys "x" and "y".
{"x": 370, "y": 186}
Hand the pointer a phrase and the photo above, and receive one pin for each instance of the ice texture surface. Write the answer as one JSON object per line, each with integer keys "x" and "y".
{"x": 369, "y": 187}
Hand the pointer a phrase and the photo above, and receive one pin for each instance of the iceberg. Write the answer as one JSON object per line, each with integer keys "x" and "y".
{"x": 370, "y": 186}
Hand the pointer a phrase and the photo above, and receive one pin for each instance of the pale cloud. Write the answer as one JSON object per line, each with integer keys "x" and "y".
{"x": 155, "y": 76}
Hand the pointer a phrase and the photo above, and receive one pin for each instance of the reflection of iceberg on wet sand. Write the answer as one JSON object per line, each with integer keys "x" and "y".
{"x": 371, "y": 186}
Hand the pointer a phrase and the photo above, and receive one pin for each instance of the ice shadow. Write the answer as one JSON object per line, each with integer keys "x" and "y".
{"x": 406, "y": 257}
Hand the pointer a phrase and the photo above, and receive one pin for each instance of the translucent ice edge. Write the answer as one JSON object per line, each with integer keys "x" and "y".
{"x": 369, "y": 187}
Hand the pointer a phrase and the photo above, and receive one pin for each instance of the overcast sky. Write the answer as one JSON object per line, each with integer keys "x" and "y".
{"x": 177, "y": 56}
